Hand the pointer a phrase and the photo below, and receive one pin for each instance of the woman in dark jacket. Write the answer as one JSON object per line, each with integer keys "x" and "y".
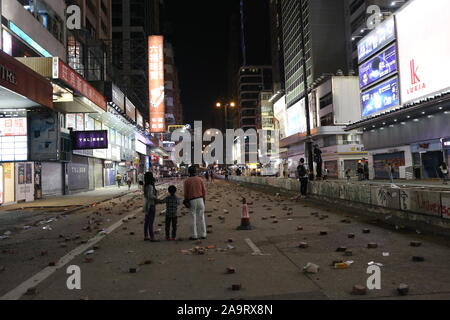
{"x": 149, "y": 206}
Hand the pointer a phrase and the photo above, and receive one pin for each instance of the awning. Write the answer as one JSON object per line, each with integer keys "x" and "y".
{"x": 21, "y": 87}
{"x": 57, "y": 70}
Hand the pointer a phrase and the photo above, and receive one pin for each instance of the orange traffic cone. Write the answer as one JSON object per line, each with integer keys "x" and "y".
{"x": 245, "y": 218}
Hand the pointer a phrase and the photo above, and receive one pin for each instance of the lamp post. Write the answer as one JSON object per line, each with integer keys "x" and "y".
{"x": 232, "y": 105}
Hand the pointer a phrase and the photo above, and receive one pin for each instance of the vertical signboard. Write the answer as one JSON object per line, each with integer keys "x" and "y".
{"x": 156, "y": 83}
{"x": 130, "y": 110}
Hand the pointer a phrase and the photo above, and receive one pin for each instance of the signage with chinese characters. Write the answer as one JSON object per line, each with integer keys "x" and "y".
{"x": 380, "y": 98}
{"x": 130, "y": 110}
{"x": 377, "y": 39}
{"x": 424, "y": 49}
{"x": 89, "y": 140}
{"x": 13, "y": 139}
{"x": 65, "y": 73}
{"x": 118, "y": 97}
{"x": 156, "y": 84}
{"x": 141, "y": 147}
{"x": 379, "y": 67}
{"x": 139, "y": 119}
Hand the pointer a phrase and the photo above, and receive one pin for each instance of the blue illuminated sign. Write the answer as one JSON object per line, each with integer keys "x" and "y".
{"x": 377, "y": 39}
{"x": 19, "y": 32}
{"x": 379, "y": 67}
{"x": 382, "y": 97}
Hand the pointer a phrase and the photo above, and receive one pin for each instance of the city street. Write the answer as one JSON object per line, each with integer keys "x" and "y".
{"x": 267, "y": 261}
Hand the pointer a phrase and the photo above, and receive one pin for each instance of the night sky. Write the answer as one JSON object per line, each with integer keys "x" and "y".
{"x": 201, "y": 40}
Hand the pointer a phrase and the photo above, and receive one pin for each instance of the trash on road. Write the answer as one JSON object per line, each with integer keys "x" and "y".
{"x": 386, "y": 254}
{"x": 89, "y": 252}
{"x": 236, "y": 287}
{"x": 372, "y": 245}
{"x": 48, "y": 228}
{"x": 311, "y": 268}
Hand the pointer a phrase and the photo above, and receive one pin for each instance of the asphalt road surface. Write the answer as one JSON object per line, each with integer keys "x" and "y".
{"x": 267, "y": 260}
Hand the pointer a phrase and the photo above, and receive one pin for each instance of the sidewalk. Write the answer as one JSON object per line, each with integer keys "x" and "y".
{"x": 74, "y": 200}
{"x": 402, "y": 183}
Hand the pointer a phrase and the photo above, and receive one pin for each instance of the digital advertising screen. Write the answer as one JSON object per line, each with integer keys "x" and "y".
{"x": 377, "y": 39}
{"x": 380, "y": 98}
{"x": 379, "y": 67}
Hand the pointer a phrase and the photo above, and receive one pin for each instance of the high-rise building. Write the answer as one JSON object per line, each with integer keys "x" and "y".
{"x": 252, "y": 80}
{"x": 357, "y": 16}
{"x": 133, "y": 21}
{"x": 174, "y": 110}
{"x": 276, "y": 35}
{"x": 322, "y": 25}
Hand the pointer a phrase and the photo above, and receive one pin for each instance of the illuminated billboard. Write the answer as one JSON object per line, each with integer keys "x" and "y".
{"x": 89, "y": 140}
{"x": 13, "y": 139}
{"x": 377, "y": 39}
{"x": 380, "y": 98}
{"x": 296, "y": 119}
{"x": 379, "y": 67}
{"x": 156, "y": 84}
{"x": 424, "y": 48}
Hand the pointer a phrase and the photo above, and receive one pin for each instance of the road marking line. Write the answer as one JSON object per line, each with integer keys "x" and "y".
{"x": 35, "y": 280}
{"x": 256, "y": 250}
{"x": 32, "y": 282}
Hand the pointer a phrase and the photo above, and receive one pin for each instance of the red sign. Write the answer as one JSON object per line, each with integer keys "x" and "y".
{"x": 156, "y": 84}
{"x": 77, "y": 83}
{"x": 20, "y": 79}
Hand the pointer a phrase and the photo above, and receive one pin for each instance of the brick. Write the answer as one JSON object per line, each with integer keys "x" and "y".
{"x": 341, "y": 249}
{"x": 52, "y": 264}
{"x": 31, "y": 292}
{"x": 403, "y": 289}
{"x": 323, "y": 233}
{"x": 303, "y": 245}
{"x": 299, "y": 228}
{"x": 416, "y": 244}
{"x": 372, "y": 245}
{"x": 366, "y": 231}
{"x": 133, "y": 270}
{"x": 44, "y": 253}
{"x": 348, "y": 253}
{"x": 236, "y": 287}
{"x": 418, "y": 259}
{"x": 2, "y": 268}
{"x": 351, "y": 236}
{"x": 88, "y": 260}
{"x": 359, "y": 290}
{"x": 231, "y": 270}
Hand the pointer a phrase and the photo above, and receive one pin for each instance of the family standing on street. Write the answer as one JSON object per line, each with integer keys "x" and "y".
{"x": 194, "y": 200}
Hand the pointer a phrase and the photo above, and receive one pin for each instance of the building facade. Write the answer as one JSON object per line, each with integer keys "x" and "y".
{"x": 405, "y": 100}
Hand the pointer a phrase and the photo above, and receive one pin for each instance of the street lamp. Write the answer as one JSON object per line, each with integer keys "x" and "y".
{"x": 232, "y": 105}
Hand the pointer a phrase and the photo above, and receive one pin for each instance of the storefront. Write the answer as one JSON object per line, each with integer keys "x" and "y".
{"x": 20, "y": 90}
{"x": 428, "y": 157}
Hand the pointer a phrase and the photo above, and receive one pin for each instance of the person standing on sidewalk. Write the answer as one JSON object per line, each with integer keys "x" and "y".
{"x": 129, "y": 183}
{"x": 444, "y": 171}
{"x": 302, "y": 173}
{"x": 195, "y": 196}
{"x": 119, "y": 180}
{"x": 150, "y": 196}
{"x": 391, "y": 172}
